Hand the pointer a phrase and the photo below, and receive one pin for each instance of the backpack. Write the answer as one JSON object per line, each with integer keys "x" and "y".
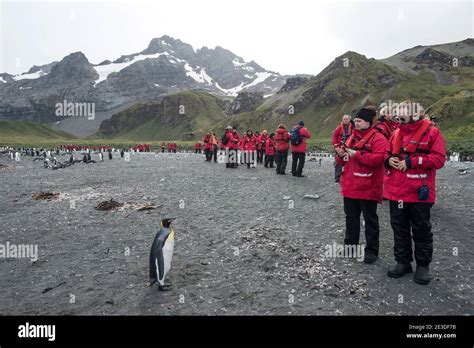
{"x": 296, "y": 138}
{"x": 225, "y": 139}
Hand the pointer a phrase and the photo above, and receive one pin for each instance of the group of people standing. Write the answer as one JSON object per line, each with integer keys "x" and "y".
{"x": 210, "y": 146}
{"x": 171, "y": 147}
{"x": 391, "y": 155}
{"x": 378, "y": 158}
{"x": 268, "y": 149}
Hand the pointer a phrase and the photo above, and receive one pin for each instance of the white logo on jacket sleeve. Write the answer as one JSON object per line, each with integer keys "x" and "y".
{"x": 416, "y": 176}
{"x": 363, "y": 175}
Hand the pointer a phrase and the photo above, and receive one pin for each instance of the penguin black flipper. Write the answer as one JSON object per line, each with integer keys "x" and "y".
{"x": 153, "y": 275}
{"x": 156, "y": 256}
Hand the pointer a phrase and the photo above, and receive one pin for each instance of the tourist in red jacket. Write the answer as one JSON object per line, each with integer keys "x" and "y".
{"x": 261, "y": 141}
{"x": 386, "y": 125}
{"x": 269, "y": 151}
{"x": 214, "y": 146}
{"x": 414, "y": 153}
{"x": 362, "y": 181}
{"x": 299, "y": 150}
{"x": 342, "y": 132}
{"x": 281, "y": 141}
{"x": 197, "y": 147}
{"x": 230, "y": 145}
{"x": 207, "y": 146}
{"x": 249, "y": 147}
{"x": 236, "y": 136}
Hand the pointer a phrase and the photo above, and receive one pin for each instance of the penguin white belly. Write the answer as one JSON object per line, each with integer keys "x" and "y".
{"x": 168, "y": 250}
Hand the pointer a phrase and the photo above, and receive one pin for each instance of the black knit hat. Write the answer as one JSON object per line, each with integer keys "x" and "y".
{"x": 366, "y": 115}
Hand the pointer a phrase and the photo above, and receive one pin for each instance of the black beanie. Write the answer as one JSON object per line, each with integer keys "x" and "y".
{"x": 366, "y": 115}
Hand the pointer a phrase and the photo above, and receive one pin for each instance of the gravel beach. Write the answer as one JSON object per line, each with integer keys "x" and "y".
{"x": 247, "y": 242}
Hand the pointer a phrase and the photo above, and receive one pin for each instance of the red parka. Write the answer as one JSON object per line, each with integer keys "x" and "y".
{"x": 386, "y": 127}
{"x": 362, "y": 176}
{"x": 300, "y": 148}
{"x": 340, "y": 132}
{"x": 269, "y": 147}
{"x": 249, "y": 143}
{"x": 230, "y": 144}
{"x": 281, "y": 139}
{"x": 430, "y": 156}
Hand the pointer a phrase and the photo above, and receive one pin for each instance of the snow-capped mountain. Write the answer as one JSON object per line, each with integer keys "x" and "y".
{"x": 166, "y": 66}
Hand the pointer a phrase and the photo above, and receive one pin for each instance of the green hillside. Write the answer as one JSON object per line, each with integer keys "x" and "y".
{"x": 24, "y": 132}
{"x": 184, "y": 115}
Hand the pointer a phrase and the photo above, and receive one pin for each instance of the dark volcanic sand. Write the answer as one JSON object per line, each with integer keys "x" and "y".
{"x": 239, "y": 248}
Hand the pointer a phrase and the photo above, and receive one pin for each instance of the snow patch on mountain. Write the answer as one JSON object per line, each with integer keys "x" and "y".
{"x": 231, "y": 91}
{"x": 206, "y": 77}
{"x": 237, "y": 62}
{"x": 261, "y": 77}
{"x": 201, "y": 76}
{"x": 31, "y": 76}
{"x": 105, "y": 70}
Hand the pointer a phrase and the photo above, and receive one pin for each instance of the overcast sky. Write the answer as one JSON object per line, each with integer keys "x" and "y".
{"x": 287, "y": 36}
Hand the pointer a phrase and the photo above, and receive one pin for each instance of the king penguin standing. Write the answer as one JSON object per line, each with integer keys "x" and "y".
{"x": 161, "y": 255}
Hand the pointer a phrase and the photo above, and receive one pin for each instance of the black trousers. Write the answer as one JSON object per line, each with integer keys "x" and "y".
{"x": 260, "y": 156}
{"x": 337, "y": 172}
{"x": 215, "y": 153}
{"x": 269, "y": 160}
{"x": 298, "y": 163}
{"x": 416, "y": 216}
{"x": 281, "y": 158}
{"x": 352, "y": 209}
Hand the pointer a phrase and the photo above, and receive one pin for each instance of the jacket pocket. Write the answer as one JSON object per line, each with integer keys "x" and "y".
{"x": 414, "y": 181}
{"x": 362, "y": 181}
